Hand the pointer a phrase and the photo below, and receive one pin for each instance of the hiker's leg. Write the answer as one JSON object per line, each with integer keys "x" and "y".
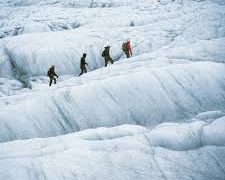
{"x": 81, "y": 72}
{"x": 111, "y": 61}
{"x": 50, "y": 82}
{"x": 127, "y": 54}
{"x": 54, "y": 80}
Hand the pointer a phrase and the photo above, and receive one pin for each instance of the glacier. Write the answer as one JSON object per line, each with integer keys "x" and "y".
{"x": 116, "y": 100}
{"x": 169, "y": 151}
{"x": 157, "y": 115}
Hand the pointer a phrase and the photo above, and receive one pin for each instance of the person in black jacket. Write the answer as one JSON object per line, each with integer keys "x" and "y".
{"x": 106, "y": 55}
{"x": 83, "y": 64}
{"x": 52, "y": 74}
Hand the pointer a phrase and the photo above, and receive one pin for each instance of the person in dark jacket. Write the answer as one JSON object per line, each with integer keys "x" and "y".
{"x": 106, "y": 55}
{"x": 83, "y": 64}
{"x": 52, "y": 74}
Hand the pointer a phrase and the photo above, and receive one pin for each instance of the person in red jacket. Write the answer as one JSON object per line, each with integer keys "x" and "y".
{"x": 127, "y": 48}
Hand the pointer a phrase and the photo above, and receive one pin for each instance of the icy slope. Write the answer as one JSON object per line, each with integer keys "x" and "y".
{"x": 157, "y": 115}
{"x": 152, "y": 26}
{"x": 144, "y": 96}
{"x": 169, "y": 151}
{"x": 163, "y": 35}
{"x": 159, "y": 84}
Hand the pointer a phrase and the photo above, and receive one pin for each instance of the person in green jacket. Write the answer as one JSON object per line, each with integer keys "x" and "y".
{"x": 83, "y": 64}
{"x": 106, "y": 56}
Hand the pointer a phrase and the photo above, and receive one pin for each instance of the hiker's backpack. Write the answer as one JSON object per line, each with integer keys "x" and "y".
{"x": 48, "y": 73}
{"x": 124, "y": 46}
{"x": 103, "y": 54}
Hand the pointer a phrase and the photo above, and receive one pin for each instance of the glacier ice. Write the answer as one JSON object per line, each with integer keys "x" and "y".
{"x": 170, "y": 151}
{"x": 157, "y": 115}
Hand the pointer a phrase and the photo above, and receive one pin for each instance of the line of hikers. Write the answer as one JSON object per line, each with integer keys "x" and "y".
{"x": 126, "y": 47}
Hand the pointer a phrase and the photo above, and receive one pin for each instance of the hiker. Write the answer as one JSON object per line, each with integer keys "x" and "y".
{"x": 82, "y": 64}
{"x": 52, "y": 74}
{"x": 126, "y": 47}
{"x": 106, "y": 55}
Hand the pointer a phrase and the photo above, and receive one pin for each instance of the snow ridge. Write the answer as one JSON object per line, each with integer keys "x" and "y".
{"x": 157, "y": 115}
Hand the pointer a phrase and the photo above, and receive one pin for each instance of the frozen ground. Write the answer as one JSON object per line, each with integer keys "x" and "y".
{"x": 166, "y": 93}
{"x": 157, "y": 115}
{"x": 193, "y": 150}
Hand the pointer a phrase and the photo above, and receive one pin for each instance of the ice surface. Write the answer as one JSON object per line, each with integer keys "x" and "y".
{"x": 170, "y": 151}
{"x": 157, "y": 115}
{"x": 145, "y": 97}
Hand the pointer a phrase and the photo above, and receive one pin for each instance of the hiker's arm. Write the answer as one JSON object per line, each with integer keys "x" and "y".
{"x": 56, "y": 75}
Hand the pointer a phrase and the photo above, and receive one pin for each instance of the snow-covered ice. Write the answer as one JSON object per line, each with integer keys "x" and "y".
{"x": 170, "y": 151}
{"x": 161, "y": 94}
{"x": 157, "y": 115}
